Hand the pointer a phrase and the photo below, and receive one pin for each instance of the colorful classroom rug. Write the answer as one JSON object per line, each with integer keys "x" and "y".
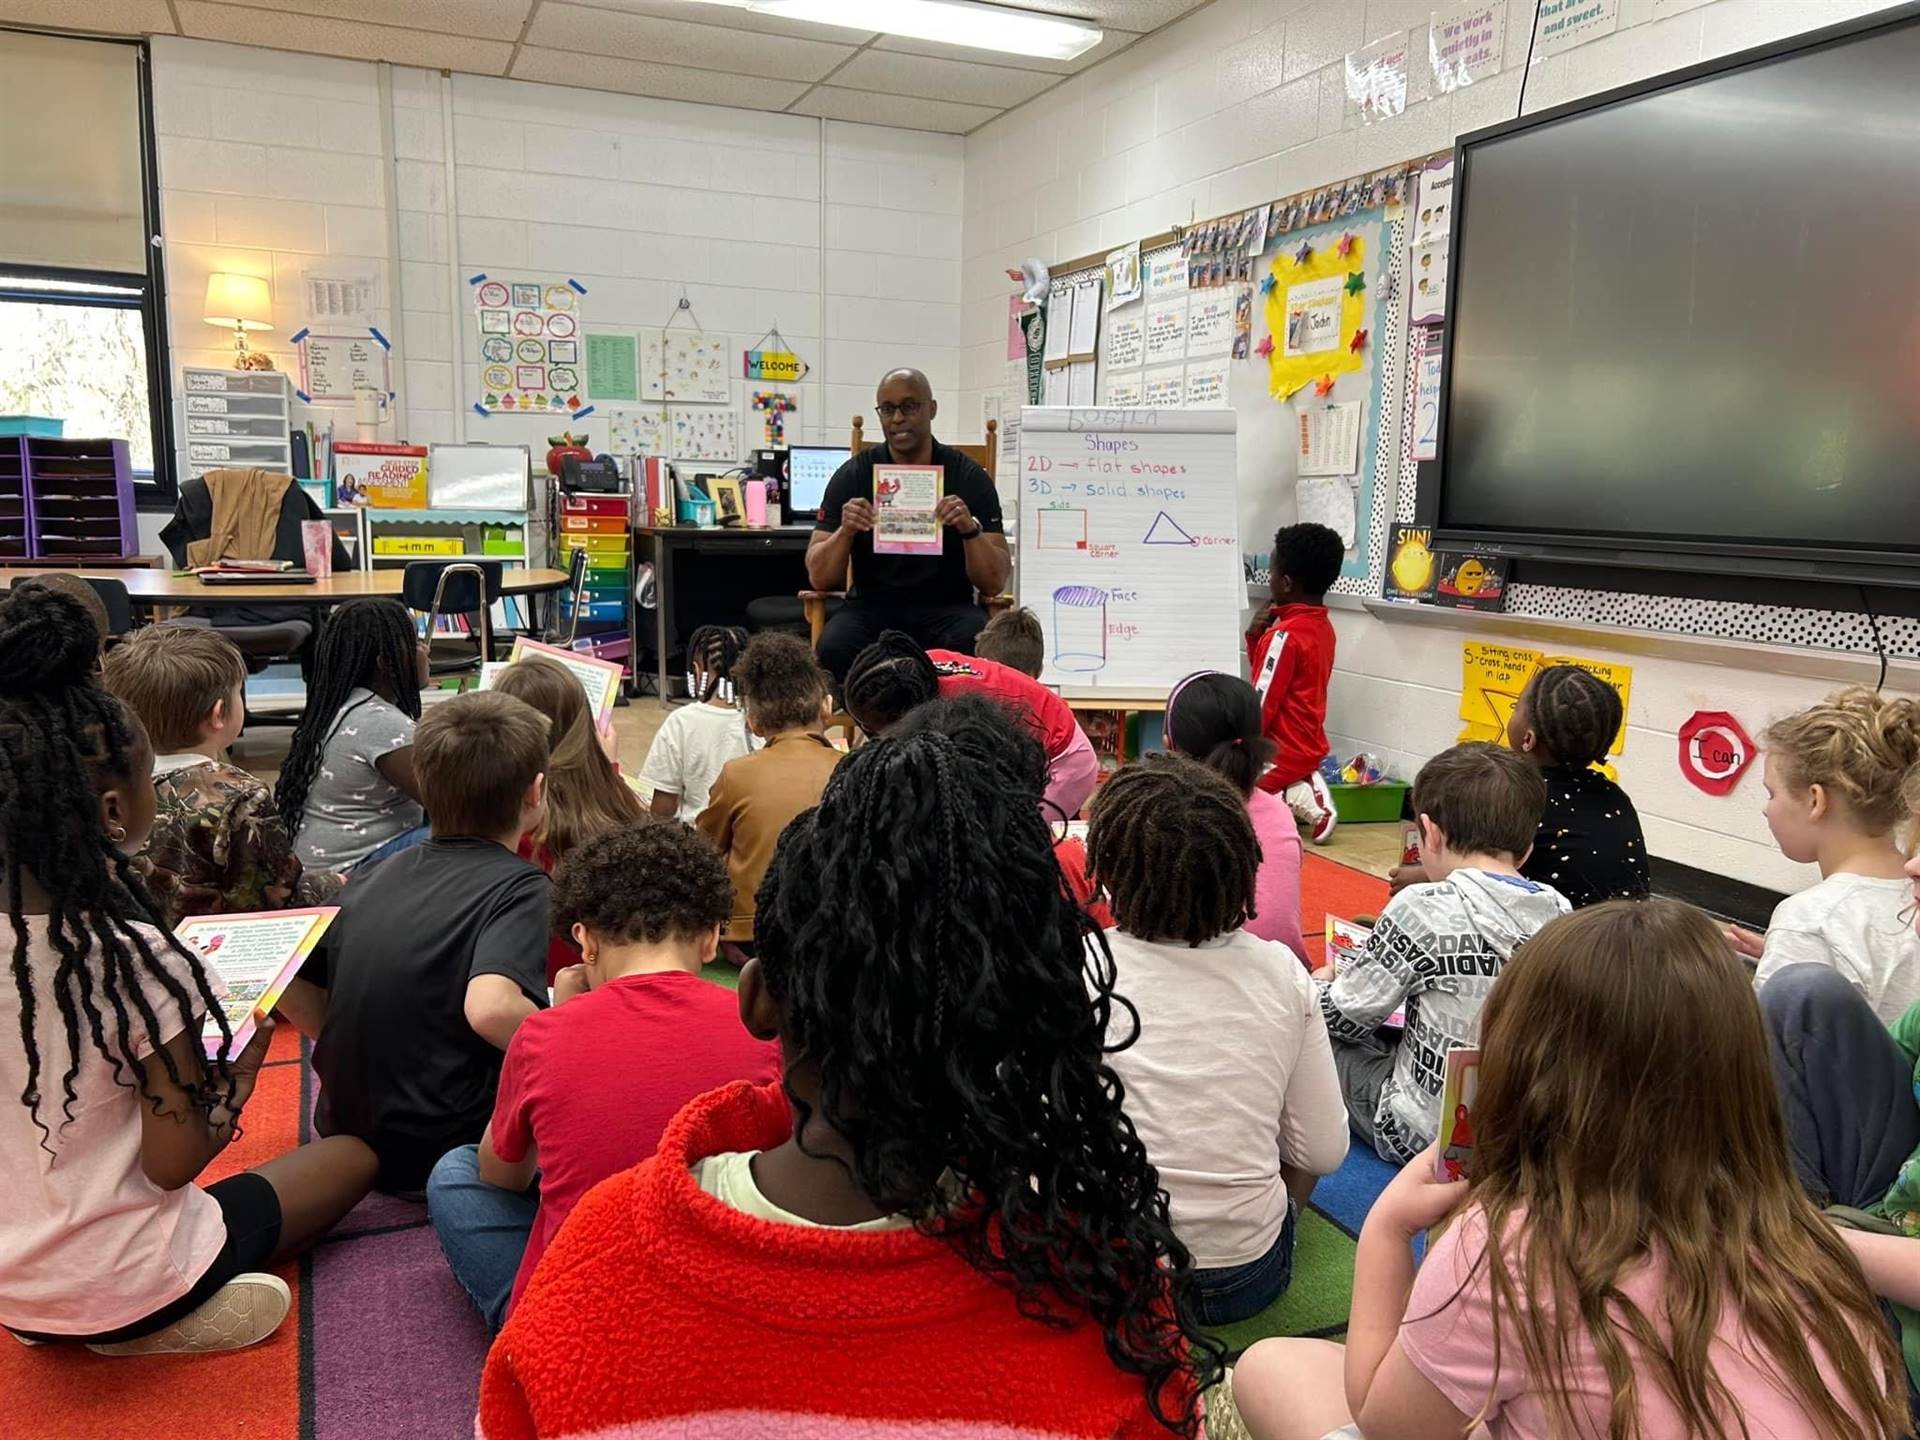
{"x": 382, "y": 1342}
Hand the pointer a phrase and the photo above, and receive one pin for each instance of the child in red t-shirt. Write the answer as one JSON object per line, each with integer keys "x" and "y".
{"x": 1290, "y": 644}
{"x": 587, "y": 1087}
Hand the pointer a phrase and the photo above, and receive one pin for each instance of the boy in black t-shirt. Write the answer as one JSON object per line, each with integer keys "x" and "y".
{"x": 439, "y": 952}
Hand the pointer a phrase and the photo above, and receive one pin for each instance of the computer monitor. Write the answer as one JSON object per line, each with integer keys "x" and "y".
{"x": 809, "y": 468}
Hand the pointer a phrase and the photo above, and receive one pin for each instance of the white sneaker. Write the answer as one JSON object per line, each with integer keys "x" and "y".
{"x": 243, "y": 1312}
{"x": 1325, "y": 818}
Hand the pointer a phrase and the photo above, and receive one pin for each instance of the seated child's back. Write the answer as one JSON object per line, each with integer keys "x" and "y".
{"x": 1589, "y": 846}
{"x": 590, "y": 1084}
{"x": 440, "y": 951}
{"x": 218, "y": 844}
{"x": 696, "y": 740}
{"x": 758, "y": 795}
{"x": 1013, "y": 638}
{"x": 348, "y": 786}
{"x": 1232, "y": 1053}
{"x": 1437, "y": 948}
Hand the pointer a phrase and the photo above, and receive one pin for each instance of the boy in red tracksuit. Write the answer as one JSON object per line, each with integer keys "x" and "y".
{"x": 1290, "y": 645}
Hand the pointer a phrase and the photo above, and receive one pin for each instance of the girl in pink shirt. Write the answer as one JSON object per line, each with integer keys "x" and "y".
{"x": 108, "y": 1110}
{"x": 1215, "y": 719}
{"x": 1631, "y": 1257}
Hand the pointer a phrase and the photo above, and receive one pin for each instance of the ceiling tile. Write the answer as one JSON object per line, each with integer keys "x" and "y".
{"x": 738, "y": 53}
{"x": 909, "y": 112}
{"x": 970, "y": 83}
{"x": 487, "y": 19}
{"x": 1112, "y": 42}
{"x": 666, "y": 82}
{"x": 108, "y": 17}
{"x": 354, "y": 39}
{"x": 732, "y": 17}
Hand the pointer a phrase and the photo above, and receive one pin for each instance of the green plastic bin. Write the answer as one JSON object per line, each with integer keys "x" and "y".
{"x": 1367, "y": 804}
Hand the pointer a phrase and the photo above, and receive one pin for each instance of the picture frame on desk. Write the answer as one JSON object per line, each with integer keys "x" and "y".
{"x": 729, "y": 501}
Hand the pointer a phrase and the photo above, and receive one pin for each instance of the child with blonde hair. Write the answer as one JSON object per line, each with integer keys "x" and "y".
{"x": 1631, "y": 1256}
{"x": 1833, "y": 777}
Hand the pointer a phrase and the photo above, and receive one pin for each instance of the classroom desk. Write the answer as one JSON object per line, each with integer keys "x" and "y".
{"x": 163, "y": 587}
{"x": 711, "y": 573}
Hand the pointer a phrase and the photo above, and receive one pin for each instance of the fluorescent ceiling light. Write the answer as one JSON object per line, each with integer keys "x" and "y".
{"x": 952, "y": 22}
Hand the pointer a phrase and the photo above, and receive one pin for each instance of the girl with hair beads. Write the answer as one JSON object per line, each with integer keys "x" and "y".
{"x": 698, "y": 739}
{"x": 1631, "y": 1257}
{"x": 1833, "y": 776}
{"x": 347, "y": 788}
{"x": 104, "y": 1237}
{"x": 585, "y": 795}
{"x": 1231, "y": 1081}
{"x": 941, "y": 1219}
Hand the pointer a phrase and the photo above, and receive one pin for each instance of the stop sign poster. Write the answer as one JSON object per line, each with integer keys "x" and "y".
{"x": 1714, "y": 751}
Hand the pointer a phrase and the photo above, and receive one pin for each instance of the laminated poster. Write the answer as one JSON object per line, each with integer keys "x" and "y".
{"x": 1210, "y": 323}
{"x": 1206, "y": 384}
{"x": 905, "y": 498}
{"x": 1167, "y": 332}
{"x": 1126, "y": 341}
{"x": 529, "y": 346}
{"x": 1165, "y": 388}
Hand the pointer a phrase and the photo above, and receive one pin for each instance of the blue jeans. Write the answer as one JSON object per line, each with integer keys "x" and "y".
{"x": 1240, "y": 1292}
{"x": 482, "y": 1229}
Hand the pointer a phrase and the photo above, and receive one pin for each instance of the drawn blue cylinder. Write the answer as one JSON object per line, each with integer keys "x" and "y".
{"x": 1079, "y": 628}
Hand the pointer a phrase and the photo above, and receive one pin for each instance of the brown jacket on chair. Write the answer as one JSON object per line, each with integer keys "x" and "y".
{"x": 246, "y": 515}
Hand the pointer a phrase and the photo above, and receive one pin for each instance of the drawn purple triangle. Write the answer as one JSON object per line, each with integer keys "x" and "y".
{"x": 1165, "y": 530}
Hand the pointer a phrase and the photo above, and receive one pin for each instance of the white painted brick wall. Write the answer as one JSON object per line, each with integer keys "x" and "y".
{"x": 271, "y": 164}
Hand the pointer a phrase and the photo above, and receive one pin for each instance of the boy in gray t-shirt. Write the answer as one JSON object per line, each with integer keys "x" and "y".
{"x": 1438, "y": 948}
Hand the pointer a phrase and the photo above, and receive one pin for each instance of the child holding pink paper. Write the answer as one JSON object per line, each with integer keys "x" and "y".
{"x": 110, "y": 1112}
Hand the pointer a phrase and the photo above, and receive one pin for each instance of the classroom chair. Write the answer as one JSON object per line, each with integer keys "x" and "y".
{"x": 438, "y": 588}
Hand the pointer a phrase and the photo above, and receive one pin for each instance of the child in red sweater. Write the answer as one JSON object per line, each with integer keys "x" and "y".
{"x": 944, "y": 1170}
{"x": 1290, "y": 644}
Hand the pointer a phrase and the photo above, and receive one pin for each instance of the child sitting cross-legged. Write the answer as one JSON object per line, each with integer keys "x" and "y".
{"x": 940, "y": 1222}
{"x": 218, "y": 844}
{"x": 588, "y": 1086}
{"x": 1229, "y": 1078}
{"x": 1438, "y": 947}
{"x": 758, "y": 795}
{"x": 697, "y": 739}
{"x": 439, "y": 952}
{"x": 110, "y": 1108}
{"x": 1834, "y": 773}
{"x": 1629, "y": 1257}
{"x": 1013, "y": 638}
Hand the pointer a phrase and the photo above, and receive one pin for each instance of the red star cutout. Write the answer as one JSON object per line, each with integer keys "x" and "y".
{"x": 1359, "y": 341}
{"x": 1323, "y": 387}
{"x": 1265, "y": 347}
{"x": 1345, "y": 247}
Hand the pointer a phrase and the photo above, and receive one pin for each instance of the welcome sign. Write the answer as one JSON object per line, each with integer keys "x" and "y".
{"x": 773, "y": 365}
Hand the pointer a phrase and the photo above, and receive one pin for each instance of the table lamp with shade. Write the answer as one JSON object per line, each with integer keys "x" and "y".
{"x": 245, "y": 303}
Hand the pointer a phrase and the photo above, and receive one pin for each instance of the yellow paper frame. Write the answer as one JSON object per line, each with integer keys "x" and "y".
{"x": 1287, "y": 375}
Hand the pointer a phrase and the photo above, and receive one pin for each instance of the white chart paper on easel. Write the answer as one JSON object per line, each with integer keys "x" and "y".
{"x": 1130, "y": 546}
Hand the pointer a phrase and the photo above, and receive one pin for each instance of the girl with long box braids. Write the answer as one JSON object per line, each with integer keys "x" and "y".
{"x": 942, "y": 1216}
{"x": 104, "y": 1236}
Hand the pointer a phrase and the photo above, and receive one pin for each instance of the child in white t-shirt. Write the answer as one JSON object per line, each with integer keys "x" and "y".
{"x": 698, "y": 739}
{"x": 1230, "y": 1081}
{"x": 1833, "y": 775}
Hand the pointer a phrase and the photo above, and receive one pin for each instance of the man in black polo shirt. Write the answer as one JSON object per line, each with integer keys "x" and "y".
{"x": 930, "y": 597}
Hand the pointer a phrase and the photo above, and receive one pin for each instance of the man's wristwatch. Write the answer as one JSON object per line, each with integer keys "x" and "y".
{"x": 974, "y": 534}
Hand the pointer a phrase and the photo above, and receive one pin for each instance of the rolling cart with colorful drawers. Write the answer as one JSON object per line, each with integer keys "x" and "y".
{"x": 601, "y": 525}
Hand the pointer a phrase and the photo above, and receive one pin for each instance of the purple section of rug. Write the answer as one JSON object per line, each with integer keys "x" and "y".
{"x": 380, "y": 1212}
{"x": 397, "y": 1347}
